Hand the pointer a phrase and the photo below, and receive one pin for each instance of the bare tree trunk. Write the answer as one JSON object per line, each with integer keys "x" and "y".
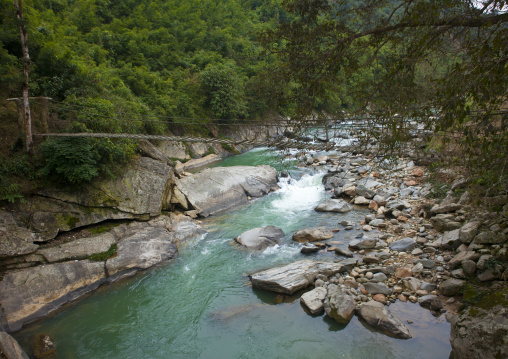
{"x": 18, "y": 5}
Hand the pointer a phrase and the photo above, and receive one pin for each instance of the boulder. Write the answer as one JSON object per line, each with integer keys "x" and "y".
{"x": 9, "y": 348}
{"x": 363, "y": 243}
{"x": 469, "y": 231}
{"x": 334, "y": 205}
{"x": 294, "y": 276}
{"x": 489, "y": 237}
{"x": 377, "y": 288}
{"x": 403, "y": 245}
{"x": 466, "y": 255}
{"x": 361, "y": 201}
{"x": 312, "y": 234}
{"x": 313, "y": 300}
{"x": 339, "y": 305}
{"x": 378, "y": 316}
{"x": 426, "y": 300}
{"x": 482, "y": 335}
{"x": 451, "y": 286}
{"x": 451, "y": 240}
{"x": 215, "y": 190}
{"x": 32, "y": 293}
{"x": 139, "y": 251}
{"x": 445, "y": 222}
{"x": 365, "y": 192}
{"x": 78, "y": 249}
{"x": 260, "y": 238}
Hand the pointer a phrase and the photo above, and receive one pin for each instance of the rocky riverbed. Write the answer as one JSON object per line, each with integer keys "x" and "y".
{"x": 443, "y": 254}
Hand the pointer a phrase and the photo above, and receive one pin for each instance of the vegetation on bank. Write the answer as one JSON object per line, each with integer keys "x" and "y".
{"x": 154, "y": 67}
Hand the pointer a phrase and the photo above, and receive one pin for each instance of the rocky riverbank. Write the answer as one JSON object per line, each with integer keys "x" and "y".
{"x": 446, "y": 255}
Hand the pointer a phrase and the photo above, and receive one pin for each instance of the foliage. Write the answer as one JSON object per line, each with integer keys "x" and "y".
{"x": 100, "y": 257}
{"x": 10, "y": 168}
{"x": 443, "y": 63}
{"x": 81, "y": 159}
{"x": 225, "y": 91}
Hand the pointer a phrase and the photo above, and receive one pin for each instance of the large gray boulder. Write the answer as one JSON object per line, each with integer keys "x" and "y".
{"x": 294, "y": 276}
{"x": 451, "y": 239}
{"x": 32, "y": 293}
{"x": 261, "y": 238}
{"x": 451, "y": 286}
{"x": 469, "y": 231}
{"x": 378, "y": 316}
{"x": 9, "y": 348}
{"x": 334, "y": 205}
{"x": 483, "y": 335}
{"x": 312, "y": 234}
{"x": 142, "y": 250}
{"x": 339, "y": 305}
{"x": 313, "y": 300}
{"x": 219, "y": 189}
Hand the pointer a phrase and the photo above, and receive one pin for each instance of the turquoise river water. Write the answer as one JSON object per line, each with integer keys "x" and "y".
{"x": 202, "y": 306}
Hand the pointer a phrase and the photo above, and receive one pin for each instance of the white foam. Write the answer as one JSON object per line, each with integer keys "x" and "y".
{"x": 297, "y": 195}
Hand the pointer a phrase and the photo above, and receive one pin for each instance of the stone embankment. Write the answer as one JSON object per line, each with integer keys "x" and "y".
{"x": 409, "y": 247}
{"x": 63, "y": 243}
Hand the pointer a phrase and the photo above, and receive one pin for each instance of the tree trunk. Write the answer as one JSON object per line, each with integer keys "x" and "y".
{"x": 18, "y": 5}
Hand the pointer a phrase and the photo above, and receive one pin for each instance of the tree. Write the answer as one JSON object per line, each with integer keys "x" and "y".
{"x": 443, "y": 62}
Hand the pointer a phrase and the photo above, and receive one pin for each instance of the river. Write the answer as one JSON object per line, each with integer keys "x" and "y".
{"x": 201, "y": 304}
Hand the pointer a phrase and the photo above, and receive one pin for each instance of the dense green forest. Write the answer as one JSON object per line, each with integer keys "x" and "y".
{"x": 145, "y": 66}
{"x": 176, "y": 58}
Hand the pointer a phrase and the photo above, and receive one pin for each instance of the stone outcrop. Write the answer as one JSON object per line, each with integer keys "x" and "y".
{"x": 16, "y": 241}
{"x": 141, "y": 192}
{"x": 215, "y": 190}
{"x": 32, "y": 293}
{"x": 294, "y": 276}
{"x": 142, "y": 250}
{"x": 260, "y": 238}
{"x": 479, "y": 334}
{"x": 379, "y": 317}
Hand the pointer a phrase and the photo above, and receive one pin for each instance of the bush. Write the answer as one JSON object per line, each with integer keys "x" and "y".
{"x": 78, "y": 160}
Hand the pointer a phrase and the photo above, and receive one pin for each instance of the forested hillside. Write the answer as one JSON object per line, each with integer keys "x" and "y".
{"x": 172, "y": 58}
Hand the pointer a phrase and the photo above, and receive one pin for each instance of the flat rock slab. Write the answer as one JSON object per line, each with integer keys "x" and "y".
{"x": 261, "y": 238}
{"x": 140, "y": 251}
{"x": 294, "y": 276}
{"x": 215, "y": 190}
{"x": 377, "y": 288}
{"x": 32, "y": 293}
{"x": 313, "y": 300}
{"x": 78, "y": 249}
{"x": 312, "y": 234}
{"x": 378, "y": 316}
{"x": 334, "y": 205}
